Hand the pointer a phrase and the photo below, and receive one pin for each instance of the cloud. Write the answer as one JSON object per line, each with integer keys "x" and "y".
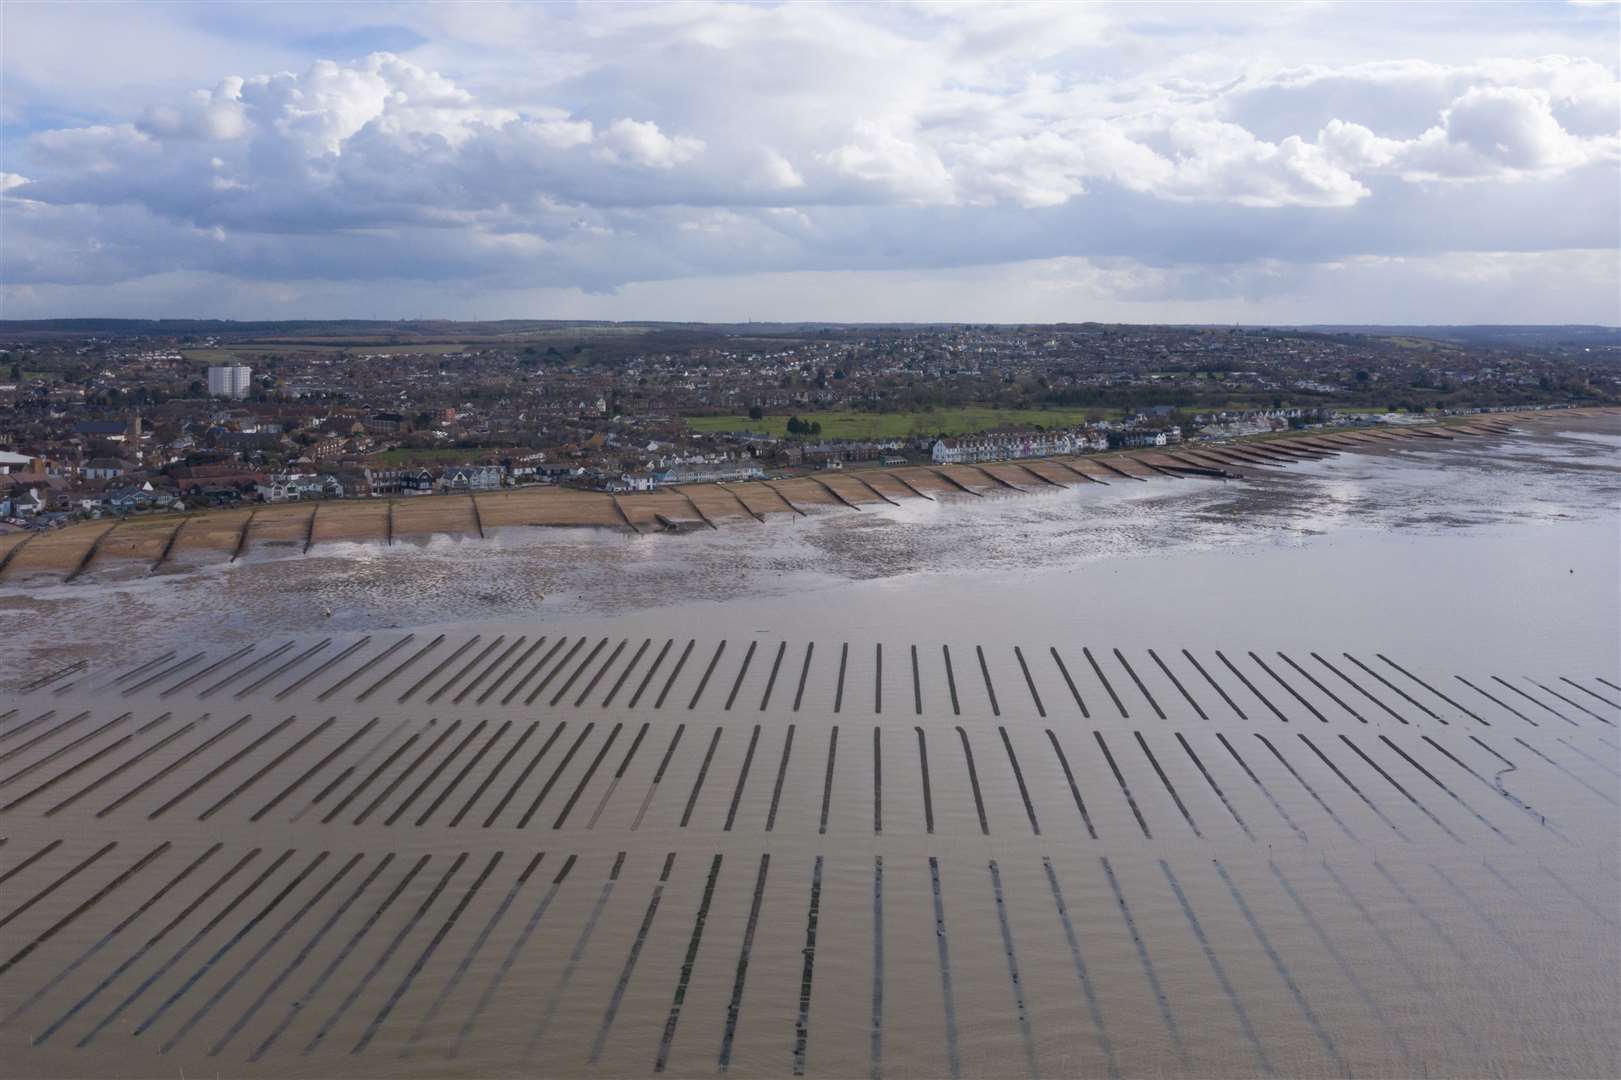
{"x": 595, "y": 147}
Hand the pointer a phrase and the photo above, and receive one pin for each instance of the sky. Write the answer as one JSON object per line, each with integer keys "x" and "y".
{"x": 956, "y": 162}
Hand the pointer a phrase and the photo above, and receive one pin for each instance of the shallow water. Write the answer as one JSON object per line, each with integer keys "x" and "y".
{"x": 1363, "y": 824}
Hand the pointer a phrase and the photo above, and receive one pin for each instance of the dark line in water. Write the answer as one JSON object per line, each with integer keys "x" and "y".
{"x": 267, "y": 768}
{"x": 478, "y": 680}
{"x": 1018, "y": 775}
{"x": 1028, "y": 681}
{"x": 1437, "y": 782}
{"x": 1497, "y": 786}
{"x": 252, "y": 961}
{"x": 1347, "y": 780}
{"x": 106, "y": 938}
{"x": 434, "y": 671}
{"x": 393, "y": 785}
{"x": 1292, "y": 691}
{"x": 461, "y": 775}
{"x": 1405, "y": 793}
{"x": 95, "y": 898}
{"x": 1178, "y": 684}
{"x": 551, "y": 781}
{"x": 230, "y": 943}
{"x": 1069, "y": 775}
{"x": 782, "y": 773}
{"x": 1567, "y": 701}
{"x": 278, "y": 671}
{"x": 990, "y": 690}
{"x": 1220, "y": 972}
{"x": 187, "y": 662}
{"x": 703, "y": 771}
{"x": 150, "y": 943}
{"x": 1264, "y": 790}
{"x": 1349, "y": 973}
{"x": 875, "y": 1049}
{"x": 651, "y": 671}
{"x": 1335, "y": 698}
{"x": 1430, "y": 688}
{"x": 630, "y": 962}
{"x": 1607, "y": 682}
{"x": 877, "y": 782}
{"x": 63, "y": 879}
{"x": 433, "y": 774}
{"x": 928, "y": 797}
{"x": 484, "y": 784}
{"x": 1393, "y": 687}
{"x": 30, "y": 861}
{"x": 657, "y": 776}
{"x": 62, "y": 750}
{"x": 827, "y": 782}
{"x": 1211, "y": 780}
{"x": 403, "y": 665}
{"x": 83, "y": 763}
{"x": 735, "y": 1006}
{"x": 1573, "y": 748}
{"x": 838, "y": 693}
{"x": 804, "y": 670}
{"x": 1579, "y": 898}
{"x": 427, "y": 953}
{"x": 1495, "y": 701}
{"x": 686, "y": 967}
{"x": 771, "y": 680}
{"x": 1008, "y": 950}
{"x": 523, "y": 775}
{"x": 1118, "y": 655}
{"x": 1309, "y": 789}
{"x": 1163, "y": 779}
{"x": 473, "y": 950}
{"x": 45, "y": 735}
{"x": 1121, "y": 780}
{"x": 1591, "y": 694}
{"x": 154, "y": 662}
{"x": 917, "y": 685}
{"x": 295, "y": 1010}
{"x": 675, "y": 673}
{"x": 742, "y": 778}
{"x": 1484, "y": 916}
{"x": 1607, "y": 798}
{"x": 1092, "y": 1006}
{"x": 365, "y": 667}
{"x": 517, "y": 687}
{"x": 555, "y": 999}
{"x": 323, "y": 667}
{"x": 591, "y": 770}
{"x": 973, "y": 780}
{"x": 197, "y": 676}
{"x": 1250, "y": 686}
{"x": 1148, "y": 965}
{"x": 951, "y": 680}
{"x": 192, "y": 788}
{"x": 557, "y": 669}
{"x": 180, "y": 953}
{"x": 742, "y": 673}
{"x": 20, "y": 728}
{"x": 635, "y": 659}
{"x": 1354, "y": 686}
{"x": 619, "y": 774}
{"x": 167, "y": 769}
{"x": 708, "y": 671}
{"x": 1104, "y": 679}
{"x": 568, "y": 683}
{"x": 343, "y": 776}
{"x": 507, "y": 961}
{"x": 387, "y": 953}
{"x": 1283, "y": 972}
{"x": 953, "y": 1059}
{"x": 1401, "y": 955}
{"x": 1231, "y": 704}
{"x": 878, "y": 678}
{"x": 802, "y": 1021}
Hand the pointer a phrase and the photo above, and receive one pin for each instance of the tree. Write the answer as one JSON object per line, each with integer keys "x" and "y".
{"x": 756, "y": 413}
{"x": 16, "y": 373}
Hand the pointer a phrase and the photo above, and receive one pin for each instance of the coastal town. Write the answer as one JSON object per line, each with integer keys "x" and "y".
{"x": 120, "y": 419}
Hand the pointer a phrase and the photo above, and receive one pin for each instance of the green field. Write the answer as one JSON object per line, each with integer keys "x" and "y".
{"x": 860, "y": 425}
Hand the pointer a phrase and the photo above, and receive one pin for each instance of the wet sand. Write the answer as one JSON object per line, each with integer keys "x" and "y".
{"x": 1312, "y": 774}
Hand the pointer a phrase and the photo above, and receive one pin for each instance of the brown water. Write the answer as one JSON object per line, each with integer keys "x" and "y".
{"x": 1373, "y": 831}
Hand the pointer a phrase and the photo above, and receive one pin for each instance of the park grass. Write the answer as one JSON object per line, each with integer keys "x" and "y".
{"x": 844, "y": 424}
